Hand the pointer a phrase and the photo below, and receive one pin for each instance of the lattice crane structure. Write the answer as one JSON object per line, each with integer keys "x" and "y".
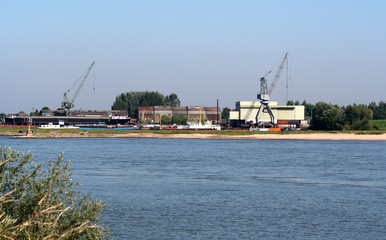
{"x": 68, "y": 104}
{"x": 265, "y": 92}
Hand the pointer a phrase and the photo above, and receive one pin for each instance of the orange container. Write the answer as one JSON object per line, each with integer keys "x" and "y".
{"x": 282, "y": 121}
{"x": 275, "y": 129}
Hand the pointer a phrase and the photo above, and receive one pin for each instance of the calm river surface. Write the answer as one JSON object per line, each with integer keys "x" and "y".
{"x": 229, "y": 189}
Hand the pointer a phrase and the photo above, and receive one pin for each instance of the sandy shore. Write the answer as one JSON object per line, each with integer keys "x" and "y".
{"x": 303, "y": 136}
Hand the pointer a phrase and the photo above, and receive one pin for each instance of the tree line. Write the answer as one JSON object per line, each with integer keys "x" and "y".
{"x": 326, "y": 116}
{"x": 130, "y": 101}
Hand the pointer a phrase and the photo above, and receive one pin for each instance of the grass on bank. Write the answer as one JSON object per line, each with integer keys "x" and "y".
{"x": 379, "y": 124}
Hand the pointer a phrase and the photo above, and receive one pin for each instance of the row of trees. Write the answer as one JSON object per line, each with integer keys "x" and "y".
{"x": 326, "y": 116}
{"x": 379, "y": 110}
{"x": 132, "y": 100}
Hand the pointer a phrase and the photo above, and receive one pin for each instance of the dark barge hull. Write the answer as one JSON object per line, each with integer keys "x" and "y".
{"x": 40, "y": 120}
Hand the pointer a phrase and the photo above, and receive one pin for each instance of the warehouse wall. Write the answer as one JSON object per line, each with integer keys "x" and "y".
{"x": 155, "y": 113}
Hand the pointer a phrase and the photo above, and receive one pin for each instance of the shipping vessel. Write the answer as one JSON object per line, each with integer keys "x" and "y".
{"x": 77, "y": 117}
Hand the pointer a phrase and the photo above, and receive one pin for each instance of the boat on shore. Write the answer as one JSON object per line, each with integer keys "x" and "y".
{"x": 199, "y": 126}
{"x": 56, "y": 126}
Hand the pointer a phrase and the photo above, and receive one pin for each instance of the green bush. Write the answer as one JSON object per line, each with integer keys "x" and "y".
{"x": 40, "y": 202}
{"x": 166, "y": 119}
{"x": 361, "y": 125}
{"x": 180, "y": 119}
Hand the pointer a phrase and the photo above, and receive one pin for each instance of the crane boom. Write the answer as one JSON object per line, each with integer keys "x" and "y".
{"x": 277, "y": 75}
{"x": 67, "y": 104}
{"x": 82, "y": 82}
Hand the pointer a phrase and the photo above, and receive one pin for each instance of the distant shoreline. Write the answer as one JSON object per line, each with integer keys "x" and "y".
{"x": 302, "y": 136}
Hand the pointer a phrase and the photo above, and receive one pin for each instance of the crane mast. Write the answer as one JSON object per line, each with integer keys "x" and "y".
{"x": 265, "y": 93}
{"x": 67, "y": 104}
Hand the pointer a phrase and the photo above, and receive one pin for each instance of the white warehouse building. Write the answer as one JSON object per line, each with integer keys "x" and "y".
{"x": 287, "y": 116}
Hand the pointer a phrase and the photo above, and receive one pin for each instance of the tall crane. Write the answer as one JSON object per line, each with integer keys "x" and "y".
{"x": 251, "y": 107}
{"x": 265, "y": 93}
{"x": 67, "y": 104}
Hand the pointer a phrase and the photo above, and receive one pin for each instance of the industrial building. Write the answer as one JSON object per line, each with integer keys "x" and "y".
{"x": 286, "y": 116}
{"x": 155, "y": 113}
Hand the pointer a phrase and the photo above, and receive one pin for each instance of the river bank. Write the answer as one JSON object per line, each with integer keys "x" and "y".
{"x": 278, "y": 136}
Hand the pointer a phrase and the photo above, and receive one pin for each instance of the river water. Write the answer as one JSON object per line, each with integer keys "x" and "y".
{"x": 229, "y": 189}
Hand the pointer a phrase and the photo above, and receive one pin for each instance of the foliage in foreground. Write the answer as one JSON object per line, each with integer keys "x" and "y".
{"x": 40, "y": 202}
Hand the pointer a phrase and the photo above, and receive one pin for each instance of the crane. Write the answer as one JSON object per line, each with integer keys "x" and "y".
{"x": 67, "y": 104}
{"x": 265, "y": 93}
{"x": 251, "y": 107}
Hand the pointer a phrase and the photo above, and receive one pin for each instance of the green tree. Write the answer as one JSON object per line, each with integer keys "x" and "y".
{"x": 356, "y": 113}
{"x": 43, "y": 109}
{"x": 35, "y": 113}
{"x": 172, "y": 100}
{"x": 326, "y": 116}
{"x": 180, "y": 119}
{"x": 121, "y": 103}
{"x": 225, "y": 113}
{"x": 308, "y": 107}
{"x": 39, "y": 113}
{"x": 317, "y": 122}
{"x": 379, "y": 111}
{"x": 357, "y": 116}
{"x": 332, "y": 119}
{"x": 40, "y": 202}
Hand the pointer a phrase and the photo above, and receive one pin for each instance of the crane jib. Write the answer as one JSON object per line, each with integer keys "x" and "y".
{"x": 67, "y": 104}
{"x": 277, "y": 75}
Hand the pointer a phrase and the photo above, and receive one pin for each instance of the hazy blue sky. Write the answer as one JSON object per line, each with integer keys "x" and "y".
{"x": 200, "y": 50}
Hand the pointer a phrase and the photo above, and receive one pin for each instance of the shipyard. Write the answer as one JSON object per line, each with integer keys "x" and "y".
{"x": 155, "y": 111}
{"x": 262, "y": 115}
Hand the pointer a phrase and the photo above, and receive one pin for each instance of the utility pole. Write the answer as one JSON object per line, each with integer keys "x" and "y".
{"x": 217, "y": 111}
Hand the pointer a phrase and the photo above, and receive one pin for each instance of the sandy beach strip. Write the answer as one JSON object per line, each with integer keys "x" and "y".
{"x": 303, "y": 136}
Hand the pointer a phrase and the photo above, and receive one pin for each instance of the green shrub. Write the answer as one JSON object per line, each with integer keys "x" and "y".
{"x": 180, "y": 119}
{"x": 166, "y": 119}
{"x": 40, "y": 202}
{"x": 361, "y": 125}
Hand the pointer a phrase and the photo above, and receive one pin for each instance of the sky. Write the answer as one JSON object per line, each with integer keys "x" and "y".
{"x": 200, "y": 50}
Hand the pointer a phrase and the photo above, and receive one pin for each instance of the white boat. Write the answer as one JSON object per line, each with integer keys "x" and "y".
{"x": 56, "y": 126}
